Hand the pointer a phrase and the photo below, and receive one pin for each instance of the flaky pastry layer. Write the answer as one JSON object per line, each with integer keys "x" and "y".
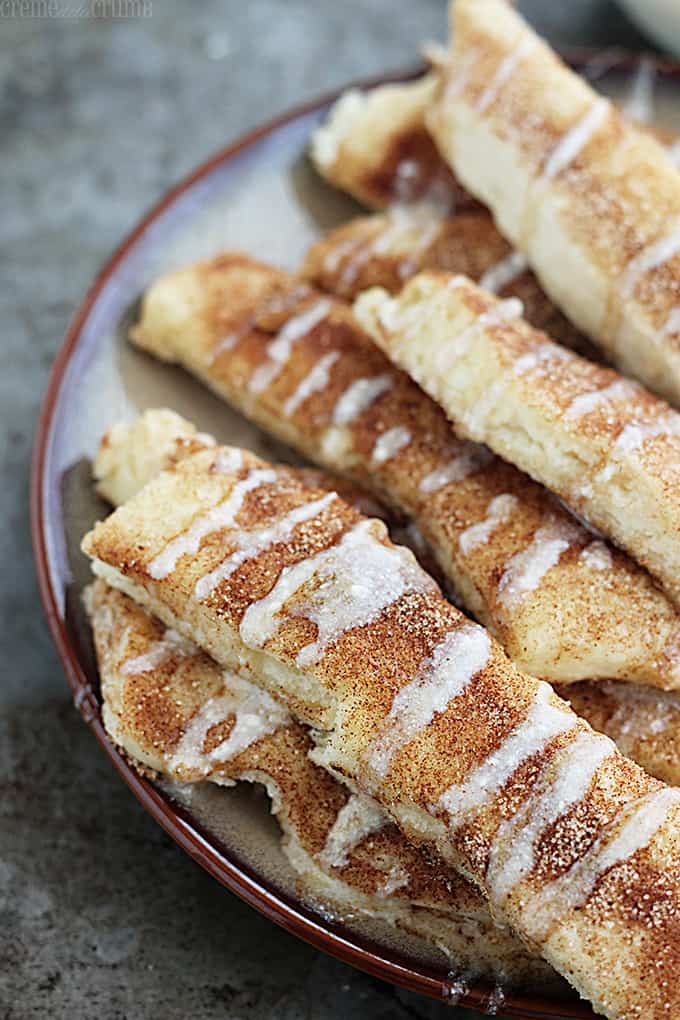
{"x": 375, "y": 146}
{"x": 573, "y": 845}
{"x": 644, "y": 723}
{"x": 591, "y": 200}
{"x": 607, "y": 446}
{"x": 176, "y": 713}
{"x": 386, "y": 249}
{"x": 297, "y": 363}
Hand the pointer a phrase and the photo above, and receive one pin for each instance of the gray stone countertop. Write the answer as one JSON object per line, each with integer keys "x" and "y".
{"x": 101, "y": 915}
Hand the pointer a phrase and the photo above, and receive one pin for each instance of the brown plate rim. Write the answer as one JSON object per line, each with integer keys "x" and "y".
{"x": 222, "y": 864}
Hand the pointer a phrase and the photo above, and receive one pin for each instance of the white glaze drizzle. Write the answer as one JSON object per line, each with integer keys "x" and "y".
{"x": 634, "y": 435}
{"x": 335, "y": 444}
{"x": 505, "y": 272}
{"x": 251, "y": 543}
{"x": 375, "y": 576}
{"x": 356, "y": 579}
{"x": 512, "y": 850}
{"x": 377, "y": 245}
{"x": 672, "y": 324}
{"x": 364, "y": 252}
{"x": 358, "y": 818}
{"x": 317, "y": 379}
{"x": 426, "y": 237}
{"x": 274, "y": 306}
{"x": 543, "y": 722}
{"x": 640, "y": 103}
{"x": 170, "y": 645}
{"x": 255, "y": 714}
{"x": 652, "y": 256}
{"x": 508, "y": 308}
{"x": 674, "y": 152}
{"x": 283, "y": 303}
{"x": 221, "y": 516}
{"x": 279, "y": 349}
{"x": 441, "y": 677}
{"x": 228, "y": 460}
{"x": 359, "y": 396}
{"x": 457, "y": 82}
{"x": 499, "y": 510}
{"x": 504, "y": 71}
{"x": 526, "y": 569}
{"x": 226, "y": 343}
{"x": 416, "y": 224}
{"x": 337, "y": 253}
{"x": 389, "y": 444}
{"x": 586, "y": 403}
{"x": 575, "y": 140}
{"x": 397, "y": 878}
{"x": 472, "y": 457}
{"x": 597, "y": 556}
{"x": 641, "y": 712}
{"x": 630, "y": 441}
{"x": 538, "y": 359}
{"x": 638, "y": 824}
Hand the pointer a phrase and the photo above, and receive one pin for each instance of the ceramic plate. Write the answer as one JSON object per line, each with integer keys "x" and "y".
{"x": 260, "y": 195}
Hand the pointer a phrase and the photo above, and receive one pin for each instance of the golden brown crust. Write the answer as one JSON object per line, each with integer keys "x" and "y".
{"x": 571, "y": 182}
{"x": 348, "y": 260}
{"x": 644, "y": 724}
{"x": 149, "y": 709}
{"x": 608, "y": 447}
{"x": 341, "y": 624}
{"x": 384, "y": 250}
{"x": 375, "y": 146}
{"x": 599, "y": 634}
{"x": 131, "y": 453}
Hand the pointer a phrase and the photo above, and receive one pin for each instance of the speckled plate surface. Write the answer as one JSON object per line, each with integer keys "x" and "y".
{"x": 260, "y": 195}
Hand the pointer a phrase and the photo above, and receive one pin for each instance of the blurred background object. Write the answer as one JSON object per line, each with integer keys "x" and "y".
{"x": 659, "y": 19}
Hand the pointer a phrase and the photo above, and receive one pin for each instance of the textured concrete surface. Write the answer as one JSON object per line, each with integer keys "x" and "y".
{"x": 100, "y": 914}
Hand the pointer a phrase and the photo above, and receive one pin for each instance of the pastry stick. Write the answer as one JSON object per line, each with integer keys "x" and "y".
{"x": 645, "y": 724}
{"x": 177, "y": 714}
{"x": 589, "y": 198}
{"x": 573, "y": 845}
{"x": 386, "y": 249}
{"x": 607, "y": 446}
{"x": 298, "y": 364}
{"x": 375, "y": 146}
{"x": 131, "y": 453}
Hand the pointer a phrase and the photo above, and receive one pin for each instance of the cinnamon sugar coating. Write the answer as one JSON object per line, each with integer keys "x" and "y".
{"x": 346, "y": 852}
{"x": 443, "y": 483}
{"x": 488, "y": 746}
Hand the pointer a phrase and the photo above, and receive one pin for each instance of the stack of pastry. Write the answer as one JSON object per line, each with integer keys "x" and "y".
{"x": 256, "y": 623}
